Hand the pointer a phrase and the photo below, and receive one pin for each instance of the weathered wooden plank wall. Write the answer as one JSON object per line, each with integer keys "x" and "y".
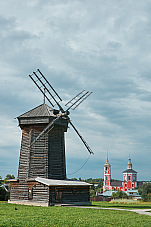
{"x": 23, "y": 169}
{"x": 46, "y": 158}
{"x": 38, "y": 160}
{"x": 41, "y": 193}
{"x": 69, "y": 194}
{"x": 56, "y": 155}
{"x": 19, "y": 191}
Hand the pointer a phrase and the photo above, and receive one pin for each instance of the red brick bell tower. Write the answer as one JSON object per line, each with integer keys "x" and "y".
{"x": 107, "y": 176}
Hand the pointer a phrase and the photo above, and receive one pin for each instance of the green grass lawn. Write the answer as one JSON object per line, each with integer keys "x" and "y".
{"x": 131, "y": 206}
{"x": 67, "y": 216}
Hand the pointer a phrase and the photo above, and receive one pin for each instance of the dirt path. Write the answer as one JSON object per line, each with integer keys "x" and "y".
{"x": 139, "y": 211}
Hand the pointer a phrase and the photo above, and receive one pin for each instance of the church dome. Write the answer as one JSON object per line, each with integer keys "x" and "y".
{"x": 129, "y": 164}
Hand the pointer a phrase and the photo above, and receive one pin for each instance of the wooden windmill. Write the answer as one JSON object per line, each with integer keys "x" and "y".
{"x": 42, "y": 154}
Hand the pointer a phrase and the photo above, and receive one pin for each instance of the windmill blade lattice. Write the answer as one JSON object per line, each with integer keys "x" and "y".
{"x": 73, "y": 103}
{"x": 83, "y": 140}
{"x": 42, "y": 83}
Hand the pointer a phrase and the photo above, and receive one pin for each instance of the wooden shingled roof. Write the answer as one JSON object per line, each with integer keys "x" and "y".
{"x": 42, "y": 110}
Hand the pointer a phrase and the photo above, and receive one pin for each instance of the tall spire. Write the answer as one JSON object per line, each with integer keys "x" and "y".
{"x": 107, "y": 157}
{"x": 107, "y": 175}
{"x": 107, "y": 160}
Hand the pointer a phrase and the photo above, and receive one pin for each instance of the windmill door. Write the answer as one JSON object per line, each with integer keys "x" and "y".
{"x": 30, "y": 193}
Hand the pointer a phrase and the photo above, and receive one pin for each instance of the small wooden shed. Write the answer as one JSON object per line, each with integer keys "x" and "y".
{"x": 48, "y": 192}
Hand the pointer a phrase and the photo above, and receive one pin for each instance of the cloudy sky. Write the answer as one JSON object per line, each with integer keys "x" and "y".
{"x": 101, "y": 46}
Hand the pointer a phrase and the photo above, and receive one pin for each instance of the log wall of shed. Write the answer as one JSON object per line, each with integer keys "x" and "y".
{"x": 68, "y": 195}
{"x": 40, "y": 193}
{"x": 19, "y": 191}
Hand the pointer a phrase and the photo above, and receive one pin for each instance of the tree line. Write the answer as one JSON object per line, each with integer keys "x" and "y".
{"x": 144, "y": 190}
{"x": 97, "y": 186}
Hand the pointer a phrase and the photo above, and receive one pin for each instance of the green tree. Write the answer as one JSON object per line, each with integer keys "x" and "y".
{"x": 0, "y": 180}
{"x": 8, "y": 177}
{"x": 92, "y": 193}
{"x": 145, "y": 191}
{"x": 74, "y": 178}
{"x": 98, "y": 181}
{"x": 119, "y": 195}
{"x": 3, "y": 194}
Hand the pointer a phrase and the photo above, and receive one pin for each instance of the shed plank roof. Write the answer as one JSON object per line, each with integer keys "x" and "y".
{"x": 52, "y": 182}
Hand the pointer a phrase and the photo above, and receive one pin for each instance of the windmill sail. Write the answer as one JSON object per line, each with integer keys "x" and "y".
{"x": 47, "y": 129}
{"x": 83, "y": 140}
{"x": 73, "y": 103}
{"x": 42, "y": 82}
